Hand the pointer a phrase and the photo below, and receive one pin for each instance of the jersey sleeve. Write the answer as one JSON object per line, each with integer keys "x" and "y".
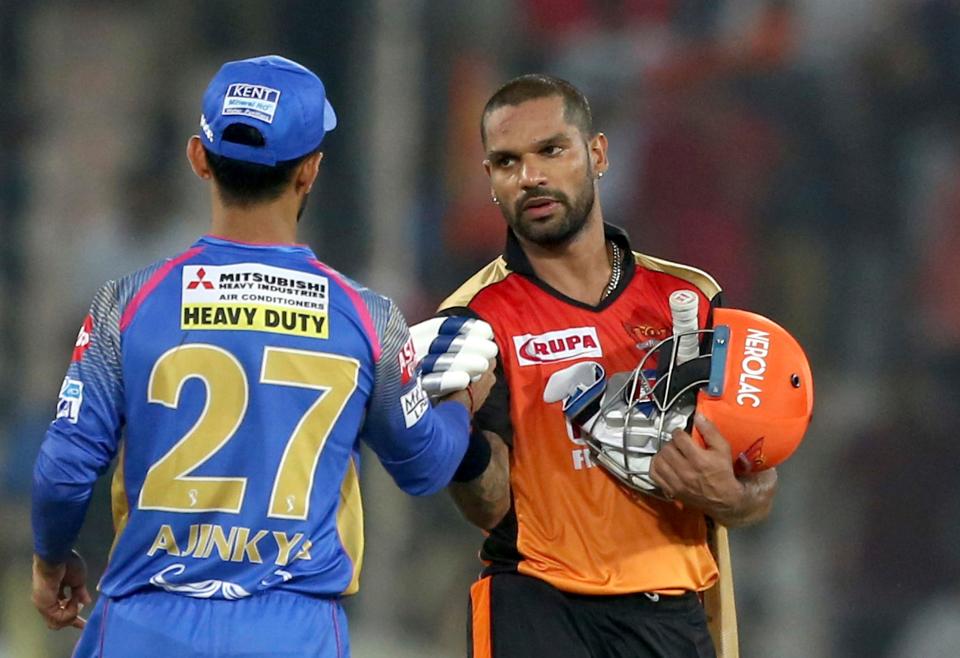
{"x": 420, "y": 445}
{"x": 494, "y": 415}
{"x": 82, "y": 440}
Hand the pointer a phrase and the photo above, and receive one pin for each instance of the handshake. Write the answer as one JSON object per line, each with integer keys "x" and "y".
{"x": 456, "y": 354}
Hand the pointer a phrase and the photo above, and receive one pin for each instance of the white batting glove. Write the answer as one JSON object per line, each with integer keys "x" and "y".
{"x": 453, "y": 351}
{"x": 622, "y": 436}
{"x": 580, "y": 387}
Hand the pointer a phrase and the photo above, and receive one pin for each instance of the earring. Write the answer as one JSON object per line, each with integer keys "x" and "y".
{"x": 599, "y": 174}
{"x": 494, "y": 198}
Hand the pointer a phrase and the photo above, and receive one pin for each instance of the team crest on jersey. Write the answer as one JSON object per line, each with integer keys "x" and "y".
{"x": 554, "y": 346}
{"x": 645, "y": 335}
{"x": 254, "y": 297}
{"x": 71, "y": 397}
{"x": 83, "y": 339}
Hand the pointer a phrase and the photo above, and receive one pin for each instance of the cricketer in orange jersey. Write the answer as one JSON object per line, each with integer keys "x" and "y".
{"x": 578, "y": 565}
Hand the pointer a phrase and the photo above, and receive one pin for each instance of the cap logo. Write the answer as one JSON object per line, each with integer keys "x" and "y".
{"x": 254, "y": 101}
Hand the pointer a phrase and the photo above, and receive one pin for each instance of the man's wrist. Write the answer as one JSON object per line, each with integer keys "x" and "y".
{"x": 739, "y": 497}
{"x": 53, "y": 564}
{"x": 47, "y": 568}
{"x": 476, "y": 459}
{"x": 462, "y": 397}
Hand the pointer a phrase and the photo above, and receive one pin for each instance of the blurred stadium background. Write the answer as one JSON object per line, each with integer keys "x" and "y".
{"x": 806, "y": 152}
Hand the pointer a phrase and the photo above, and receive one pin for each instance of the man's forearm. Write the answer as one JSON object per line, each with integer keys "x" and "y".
{"x": 58, "y": 507}
{"x": 485, "y": 500}
{"x": 754, "y": 504}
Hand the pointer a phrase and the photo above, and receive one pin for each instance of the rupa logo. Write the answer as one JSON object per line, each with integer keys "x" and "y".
{"x": 553, "y": 346}
{"x": 249, "y": 100}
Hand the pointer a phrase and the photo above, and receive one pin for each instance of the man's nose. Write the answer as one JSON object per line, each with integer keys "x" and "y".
{"x": 531, "y": 175}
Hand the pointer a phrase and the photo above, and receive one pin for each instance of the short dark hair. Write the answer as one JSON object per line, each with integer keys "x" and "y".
{"x": 576, "y": 108}
{"x": 243, "y": 183}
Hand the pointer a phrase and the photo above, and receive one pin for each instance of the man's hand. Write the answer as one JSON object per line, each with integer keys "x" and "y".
{"x": 703, "y": 478}
{"x": 51, "y": 583}
{"x": 452, "y": 352}
{"x": 474, "y": 395}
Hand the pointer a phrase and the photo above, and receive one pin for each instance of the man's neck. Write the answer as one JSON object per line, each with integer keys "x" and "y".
{"x": 580, "y": 268}
{"x": 266, "y": 223}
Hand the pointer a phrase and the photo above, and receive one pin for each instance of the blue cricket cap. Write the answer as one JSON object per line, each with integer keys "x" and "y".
{"x": 283, "y": 100}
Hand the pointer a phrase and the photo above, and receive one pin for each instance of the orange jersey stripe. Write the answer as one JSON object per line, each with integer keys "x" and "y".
{"x": 480, "y": 618}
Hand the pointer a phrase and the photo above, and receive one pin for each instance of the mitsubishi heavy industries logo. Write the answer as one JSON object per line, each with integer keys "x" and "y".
{"x": 553, "y": 346}
{"x": 200, "y": 280}
{"x": 254, "y": 297}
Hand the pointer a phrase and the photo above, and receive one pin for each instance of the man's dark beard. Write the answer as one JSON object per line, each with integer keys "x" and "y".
{"x": 560, "y": 232}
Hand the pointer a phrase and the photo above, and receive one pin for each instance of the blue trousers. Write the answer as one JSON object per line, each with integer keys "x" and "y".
{"x": 268, "y": 625}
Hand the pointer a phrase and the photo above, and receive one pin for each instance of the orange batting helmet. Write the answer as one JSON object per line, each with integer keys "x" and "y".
{"x": 751, "y": 379}
{"x": 759, "y": 392}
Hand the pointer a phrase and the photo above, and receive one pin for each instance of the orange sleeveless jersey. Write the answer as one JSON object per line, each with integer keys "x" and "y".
{"x": 571, "y": 523}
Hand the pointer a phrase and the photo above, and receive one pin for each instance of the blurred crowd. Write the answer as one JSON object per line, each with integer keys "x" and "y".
{"x": 805, "y": 152}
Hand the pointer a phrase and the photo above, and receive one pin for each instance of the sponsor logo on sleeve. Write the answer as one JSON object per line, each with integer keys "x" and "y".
{"x": 408, "y": 362}
{"x": 71, "y": 397}
{"x": 83, "y": 339}
{"x": 254, "y": 297}
{"x": 554, "y": 346}
{"x": 415, "y": 404}
{"x": 255, "y": 101}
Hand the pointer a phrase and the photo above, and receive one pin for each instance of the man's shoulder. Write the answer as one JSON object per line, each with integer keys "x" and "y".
{"x": 491, "y": 274}
{"x": 687, "y": 273}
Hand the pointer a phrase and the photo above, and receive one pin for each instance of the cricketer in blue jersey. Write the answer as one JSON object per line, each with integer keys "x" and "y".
{"x": 232, "y": 383}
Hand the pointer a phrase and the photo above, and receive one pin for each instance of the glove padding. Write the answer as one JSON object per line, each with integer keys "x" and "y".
{"x": 453, "y": 352}
{"x": 622, "y": 431}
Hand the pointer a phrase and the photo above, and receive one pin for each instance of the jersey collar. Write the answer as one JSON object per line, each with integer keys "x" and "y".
{"x": 224, "y": 242}
{"x": 518, "y": 263}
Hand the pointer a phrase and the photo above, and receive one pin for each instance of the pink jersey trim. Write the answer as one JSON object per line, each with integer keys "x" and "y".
{"x": 358, "y": 303}
{"x": 154, "y": 281}
{"x": 256, "y": 244}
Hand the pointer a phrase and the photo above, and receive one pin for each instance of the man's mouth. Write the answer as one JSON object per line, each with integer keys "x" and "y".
{"x": 540, "y": 207}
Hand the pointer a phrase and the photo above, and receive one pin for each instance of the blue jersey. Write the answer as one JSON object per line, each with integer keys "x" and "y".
{"x": 233, "y": 384}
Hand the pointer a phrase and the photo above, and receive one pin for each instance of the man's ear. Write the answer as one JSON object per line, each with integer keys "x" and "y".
{"x": 598, "y": 153}
{"x": 307, "y": 171}
{"x": 197, "y": 157}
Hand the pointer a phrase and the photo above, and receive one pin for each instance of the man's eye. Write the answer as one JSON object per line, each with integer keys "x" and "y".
{"x": 552, "y": 150}
{"x": 504, "y": 162}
